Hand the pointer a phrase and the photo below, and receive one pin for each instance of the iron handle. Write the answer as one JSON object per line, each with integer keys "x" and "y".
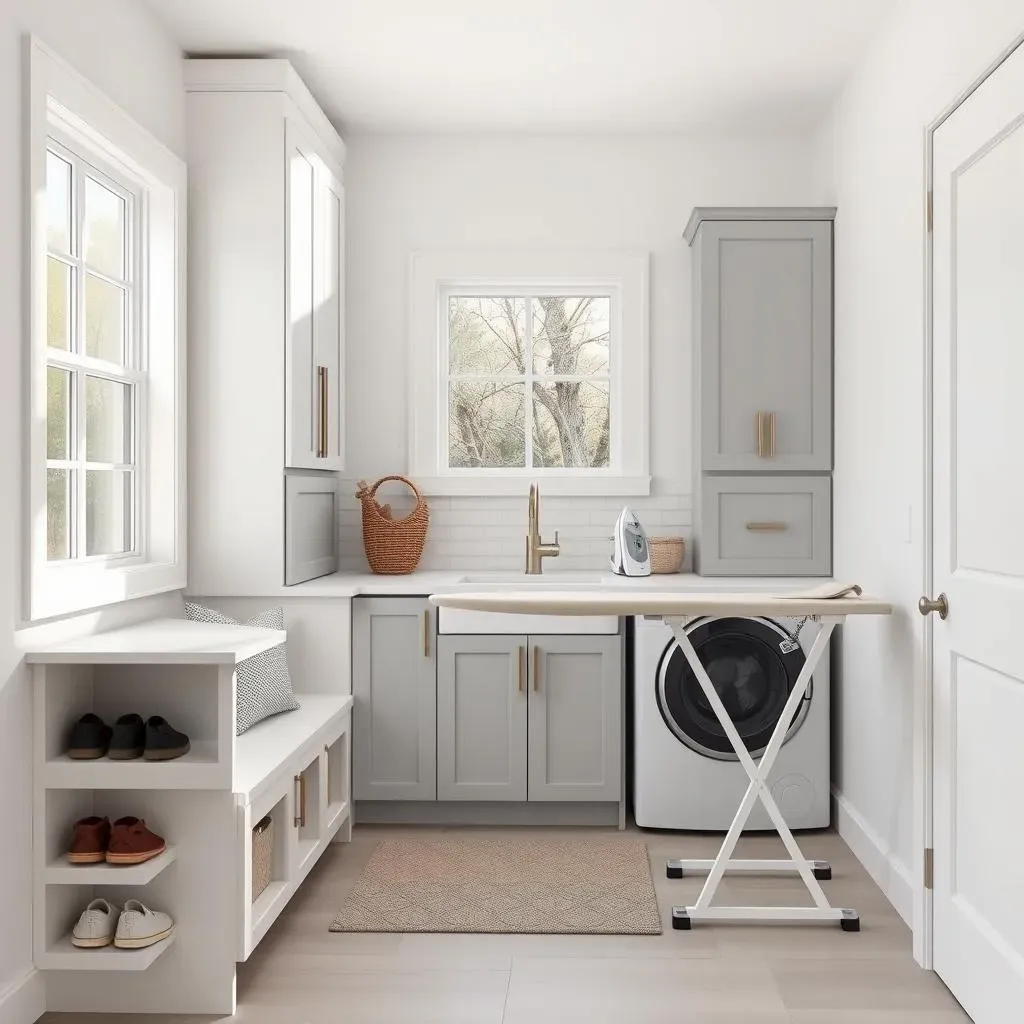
{"x": 939, "y": 604}
{"x": 767, "y": 527}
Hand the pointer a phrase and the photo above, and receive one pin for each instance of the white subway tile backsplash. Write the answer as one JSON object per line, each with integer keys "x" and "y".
{"x": 479, "y": 533}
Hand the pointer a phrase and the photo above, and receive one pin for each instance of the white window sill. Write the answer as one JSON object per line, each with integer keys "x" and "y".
{"x": 70, "y": 588}
{"x": 551, "y": 486}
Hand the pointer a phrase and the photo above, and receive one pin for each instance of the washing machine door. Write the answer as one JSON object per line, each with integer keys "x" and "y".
{"x": 750, "y": 673}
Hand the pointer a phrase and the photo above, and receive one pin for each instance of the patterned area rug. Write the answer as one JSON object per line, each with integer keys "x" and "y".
{"x": 595, "y": 886}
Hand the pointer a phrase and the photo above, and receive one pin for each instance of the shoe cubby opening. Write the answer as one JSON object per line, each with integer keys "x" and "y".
{"x": 63, "y": 808}
{"x": 194, "y": 699}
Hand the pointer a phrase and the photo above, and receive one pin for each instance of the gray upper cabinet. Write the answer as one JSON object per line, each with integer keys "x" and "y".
{"x": 481, "y": 718}
{"x": 575, "y": 718}
{"x": 394, "y": 685}
{"x": 763, "y": 341}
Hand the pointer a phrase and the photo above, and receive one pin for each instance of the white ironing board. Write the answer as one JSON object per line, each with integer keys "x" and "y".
{"x": 677, "y": 609}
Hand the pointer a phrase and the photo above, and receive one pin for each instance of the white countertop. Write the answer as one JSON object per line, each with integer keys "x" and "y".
{"x": 350, "y": 584}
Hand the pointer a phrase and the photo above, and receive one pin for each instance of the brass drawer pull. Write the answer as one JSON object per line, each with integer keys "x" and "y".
{"x": 771, "y": 435}
{"x": 520, "y": 659}
{"x": 759, "y": 433}
{"x": 426, "y": 633}
{"x": 536, "y": 668}
{"x": 767, "y": 527}
{"x": 321, "y": 412}
{"x": 764, "y": 427}
{"x": 300, "y": 803}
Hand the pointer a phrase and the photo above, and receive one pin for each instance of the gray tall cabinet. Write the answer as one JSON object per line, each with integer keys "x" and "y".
{"x": 762, "y": 308}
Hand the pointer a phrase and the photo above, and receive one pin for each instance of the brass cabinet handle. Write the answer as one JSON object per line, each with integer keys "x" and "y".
{"x": 771, "y": 435}
{"x": 938, "y": 604}
{"x": 536, "y": 668}
{"x": 759, "y": 433}
{"x": 520, "y": 659}
{"x": 767, "y": 527}
{"x": 764, "y": 426}
{"x": 426, "y": 633}
{"x": 323, "y": 434}
{"x": 300, "y": 801}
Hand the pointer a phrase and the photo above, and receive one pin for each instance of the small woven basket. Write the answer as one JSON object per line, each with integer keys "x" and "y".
{"x": 667, "y": 553}
{"x": 262, "y": 855}
{"x": 393, "y": 546}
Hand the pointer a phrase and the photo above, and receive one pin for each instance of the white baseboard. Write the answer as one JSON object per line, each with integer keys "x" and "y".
{"x": 24, "y": 1001}
{"x": 888, "y": 871}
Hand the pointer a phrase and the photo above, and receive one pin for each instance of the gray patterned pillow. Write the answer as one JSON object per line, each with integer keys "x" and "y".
{"x": 263, "y": 686}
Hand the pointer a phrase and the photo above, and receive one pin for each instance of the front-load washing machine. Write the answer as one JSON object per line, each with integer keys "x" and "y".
{"x": 685, "y": 772}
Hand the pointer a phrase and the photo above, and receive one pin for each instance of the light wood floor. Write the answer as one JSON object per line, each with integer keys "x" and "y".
{"x": 714, "y": 974}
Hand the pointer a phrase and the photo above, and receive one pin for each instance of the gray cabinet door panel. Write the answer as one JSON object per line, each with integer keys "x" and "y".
{"x": 394, "y": 685}
{"x": 765, "y": 526}
{"x": 481, "y": 718}
{"x": 310, "y": 526}
{"x": 765, "y": 330}
{"x": 575, "y": 718}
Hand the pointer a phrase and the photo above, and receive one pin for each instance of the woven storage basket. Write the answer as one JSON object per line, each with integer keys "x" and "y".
{"x": 666, "y": 553}
{"x": 393, "y": 546}
{"x": 262, "y": 855}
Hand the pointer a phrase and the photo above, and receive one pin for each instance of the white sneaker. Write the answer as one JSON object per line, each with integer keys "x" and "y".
{"x": 140, "y": 927}
{"x": 96, "y": 926}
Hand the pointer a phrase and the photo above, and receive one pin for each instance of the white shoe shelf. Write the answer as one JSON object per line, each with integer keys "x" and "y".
{"x": 296, "y": 767}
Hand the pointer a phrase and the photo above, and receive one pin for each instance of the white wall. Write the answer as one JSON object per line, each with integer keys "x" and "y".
{"x": 119, "y": 47}
{"x": 870, "y": 163}
{"x": 437, "y": 192}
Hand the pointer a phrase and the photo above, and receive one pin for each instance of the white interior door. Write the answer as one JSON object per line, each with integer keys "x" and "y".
{"x": 979, "y": 548}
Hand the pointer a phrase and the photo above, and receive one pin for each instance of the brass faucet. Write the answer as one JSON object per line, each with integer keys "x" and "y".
{"x": 536, "y": 549}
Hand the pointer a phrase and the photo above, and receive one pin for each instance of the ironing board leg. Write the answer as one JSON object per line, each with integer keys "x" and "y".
{"x": 757, "y": 789}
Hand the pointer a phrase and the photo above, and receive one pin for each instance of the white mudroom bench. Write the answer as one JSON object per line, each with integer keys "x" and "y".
{"x": 294, "y": 767}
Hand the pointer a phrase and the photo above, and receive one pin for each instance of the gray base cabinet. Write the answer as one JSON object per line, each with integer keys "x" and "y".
{"x": 481, "y": 718}
{"x": 529, "y": 718}
{"x": 575, "y": 718}
{"x": 394, "y": 734}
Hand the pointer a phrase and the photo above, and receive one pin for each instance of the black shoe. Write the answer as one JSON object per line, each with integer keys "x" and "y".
{"x": 90, "y": 738}
{"x": 129, "y": 739}
{"x": 164, "y": 743}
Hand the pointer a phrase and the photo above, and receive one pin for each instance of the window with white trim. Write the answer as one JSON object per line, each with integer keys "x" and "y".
{"x": 529, "y": 366}
{"x": 106, "y": 412}
{"x": 94, "y": 378}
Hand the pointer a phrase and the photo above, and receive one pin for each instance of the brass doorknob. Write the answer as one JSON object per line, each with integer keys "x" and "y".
{"x": 939, "y": 604}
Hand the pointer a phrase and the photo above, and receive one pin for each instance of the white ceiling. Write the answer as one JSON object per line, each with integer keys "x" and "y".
{"x": 548, "y": 65}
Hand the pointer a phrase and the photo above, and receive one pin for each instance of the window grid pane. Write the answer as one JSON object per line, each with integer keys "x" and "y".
{"x": 546, "y": 355}
{"x": 90, "y": 418}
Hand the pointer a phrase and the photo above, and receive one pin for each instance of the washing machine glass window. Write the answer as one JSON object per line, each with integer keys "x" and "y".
{"x": 752, "y": 675}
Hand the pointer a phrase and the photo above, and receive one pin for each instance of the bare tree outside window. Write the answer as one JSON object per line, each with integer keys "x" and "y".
{"x": 529, "y": 381}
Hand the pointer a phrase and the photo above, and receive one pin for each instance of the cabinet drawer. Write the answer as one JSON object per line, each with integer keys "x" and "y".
{"x": 765, "y": 526}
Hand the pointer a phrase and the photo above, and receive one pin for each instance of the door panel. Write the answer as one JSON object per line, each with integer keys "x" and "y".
{"x": 978, "y": 699}
{"x": 394, "y": 685}
{"x": 300, "y": 425}
{"x": 329, "y": 313}
{"x": 766, "y": 345}
{"x": 481, "y": 718}
{"x": 575, "y": 721}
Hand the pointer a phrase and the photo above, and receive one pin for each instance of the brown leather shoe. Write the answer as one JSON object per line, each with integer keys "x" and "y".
{"x": 132, "y": 843}
{"x": 90, "y": 841}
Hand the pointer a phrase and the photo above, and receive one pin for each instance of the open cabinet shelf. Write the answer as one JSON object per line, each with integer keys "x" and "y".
{"x": 63, "y": 956}
{"x": 60, "y": 872}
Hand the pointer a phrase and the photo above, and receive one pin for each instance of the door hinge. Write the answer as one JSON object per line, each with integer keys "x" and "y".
{"x": 929, "y": 867}
{"x": 929, "y": 208}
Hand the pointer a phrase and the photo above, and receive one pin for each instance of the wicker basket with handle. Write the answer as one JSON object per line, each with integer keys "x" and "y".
{"x": 393, "y": 546}
{"x": 262, "y": 855}
{"x": 666, "y": 553}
